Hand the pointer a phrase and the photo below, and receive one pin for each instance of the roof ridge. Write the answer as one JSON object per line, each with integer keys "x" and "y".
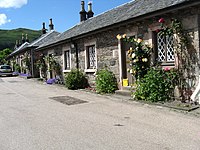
{"x": 42, "y": 37}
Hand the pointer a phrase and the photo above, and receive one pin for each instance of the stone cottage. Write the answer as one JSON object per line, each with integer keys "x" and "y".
{"x": 24, "y": 56}
{"x": 92, "y": 44}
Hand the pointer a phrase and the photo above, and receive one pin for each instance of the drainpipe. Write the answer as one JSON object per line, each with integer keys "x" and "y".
{"x": 74, "y": 47}
{"x": 77, "y": 62}
{"x": 120, "y": 62}
{"x": 32, "y": 63}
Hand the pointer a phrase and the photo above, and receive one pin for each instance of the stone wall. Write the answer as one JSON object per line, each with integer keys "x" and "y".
{"x": 107, "y": 44}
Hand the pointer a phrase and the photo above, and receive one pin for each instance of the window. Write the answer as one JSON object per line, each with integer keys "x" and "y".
{"x": 91, "y": 57}
{"x": 67, "y": 60}
{"x": 165, "y": 49}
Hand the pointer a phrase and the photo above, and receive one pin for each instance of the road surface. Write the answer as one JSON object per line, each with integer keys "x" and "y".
{"x": 32, "y": 119}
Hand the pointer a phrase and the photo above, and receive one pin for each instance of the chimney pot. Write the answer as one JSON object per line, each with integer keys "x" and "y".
{"x": 90, "y": 13}
{"x": 23, "y": 40}
{"x": 16, "y": 44}
{"x": 27, "y": 40}
{"x": 51, "y": 26}
{"x": 83, "y": 13}
{"x": 43, "y": 28}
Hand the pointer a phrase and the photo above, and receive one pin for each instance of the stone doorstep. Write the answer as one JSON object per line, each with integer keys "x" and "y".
{"x": 123, "y": 93}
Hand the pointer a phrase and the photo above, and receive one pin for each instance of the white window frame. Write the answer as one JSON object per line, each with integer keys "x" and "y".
{"x": 167, "y": 45}
{"x": 86, "y": 45}
{"x": 70, "y": 60}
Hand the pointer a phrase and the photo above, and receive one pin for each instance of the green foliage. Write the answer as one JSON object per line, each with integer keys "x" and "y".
{"x": 3, "y": 54}
{"x": 53, "y": 64}
{"x": 17, "y": 68}
{"x": 40, "y": 63}
{"x": 138, "y": 55}
{"x": 75, "y": 80}
{"x": 106, "y": 81}
{"x": 27, "y": 60}
{"x": 157, "y": 85}
{"x": 9, "y": 37}
{"x": 42, "y": 66}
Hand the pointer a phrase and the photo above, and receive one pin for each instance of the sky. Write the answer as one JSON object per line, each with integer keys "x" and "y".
{"x": 32, "y": 13}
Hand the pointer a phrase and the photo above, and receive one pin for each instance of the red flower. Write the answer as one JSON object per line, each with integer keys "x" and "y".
{"x": 158, "y": 30}
{"x": 161, "y": 20}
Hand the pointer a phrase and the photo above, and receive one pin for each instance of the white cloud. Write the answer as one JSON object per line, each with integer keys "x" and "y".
{"x": 12, "y": 3}
{"x": 4, "y": 19}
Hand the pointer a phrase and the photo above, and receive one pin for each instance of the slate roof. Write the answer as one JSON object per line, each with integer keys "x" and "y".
{"x": 119, "y": 14}
{"x": 23, "y": 46}
{"x": 44, "y": 38}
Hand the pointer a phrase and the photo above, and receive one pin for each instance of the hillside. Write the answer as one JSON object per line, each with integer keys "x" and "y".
{"x": 8, "y": 37}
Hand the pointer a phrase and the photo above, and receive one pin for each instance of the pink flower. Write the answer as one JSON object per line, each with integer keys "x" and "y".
{"x": 161, "y": 20}
{"x": 167, "y": 69}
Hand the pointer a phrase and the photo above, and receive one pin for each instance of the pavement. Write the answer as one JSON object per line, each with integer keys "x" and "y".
{"x": 125, "y": 97}
{"x": 31, "y": 119}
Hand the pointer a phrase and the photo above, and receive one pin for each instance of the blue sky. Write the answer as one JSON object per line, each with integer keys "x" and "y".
{"x": 31, "y": 13}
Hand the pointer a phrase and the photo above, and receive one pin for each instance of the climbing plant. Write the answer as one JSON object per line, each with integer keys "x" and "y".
{"x": 27, "y": 62}
{"x": 53, "y": 64}
{"x": 181, "y": 48}
{"x": 138, "y": 56}
{"x": 42, "y": 66}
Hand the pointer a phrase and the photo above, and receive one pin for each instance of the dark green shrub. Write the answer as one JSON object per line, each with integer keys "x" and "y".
{"x": 157, "y": 85}
{"x": 17, "y": 68}
{"x": 106, "y": 82}
{"x": 75, "y": 80}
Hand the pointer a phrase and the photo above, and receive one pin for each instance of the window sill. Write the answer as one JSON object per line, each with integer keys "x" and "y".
{"x": 167, "y": 64}
{"x": 90, "y": 70}
{"x": 66, "y": 71}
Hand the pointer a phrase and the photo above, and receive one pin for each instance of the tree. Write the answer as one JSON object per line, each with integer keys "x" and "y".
{"x": 3, "y": 54}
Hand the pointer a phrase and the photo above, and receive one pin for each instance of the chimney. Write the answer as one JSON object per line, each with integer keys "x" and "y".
{"x": 19, "y": 43}
{"x": 90, "y": 13}
{"x": 23, "y": 40}
{"x": 43, "y": 28}
{"x": 83, "y": 13}
{"x": 51, "y": 26}
{"x": 27, "y": 40}
{"x": 16, "y": 44}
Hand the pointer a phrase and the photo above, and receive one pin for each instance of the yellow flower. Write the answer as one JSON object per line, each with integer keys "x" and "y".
{"x": 133, "y": 55}
{"x": 124, "y": 36}
{"x": 131, "y": 48}
{"x": 139, "y": 40}
{"x": 119, "y": 36}
{"x": 131, "y": 71}
{"x": 144, "y": 59}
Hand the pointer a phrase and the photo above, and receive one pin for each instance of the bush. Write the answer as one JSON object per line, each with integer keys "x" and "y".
{"x": 17, "y": 68}
{"x": 75, "y": 80}
{"x": 106, "y": 82}
{"x": 157, "y": 85}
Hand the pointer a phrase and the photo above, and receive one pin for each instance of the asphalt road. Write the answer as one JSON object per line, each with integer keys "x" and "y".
{"x": 31, "y": 120}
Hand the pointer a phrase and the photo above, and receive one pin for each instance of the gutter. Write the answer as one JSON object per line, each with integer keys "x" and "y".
{"x": 128, "y": 21}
